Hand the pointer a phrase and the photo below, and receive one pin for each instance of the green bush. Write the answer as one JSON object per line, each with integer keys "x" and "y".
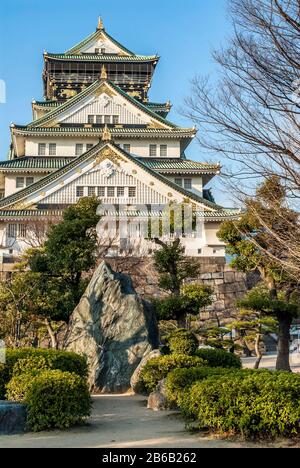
{"x": 219, "y": 358}
{"x": 183, "y": 342}
{"x": 30, "y": 364}
{"x": 54, "y": 359}
{"x": 180, "y": 380}
{"x": 253, "y": 404}
{"x": 157, "y": 369}
{"x": 55, "y": 399}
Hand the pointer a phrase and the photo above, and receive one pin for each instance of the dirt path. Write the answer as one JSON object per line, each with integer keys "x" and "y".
{"x": 121, "y": 422}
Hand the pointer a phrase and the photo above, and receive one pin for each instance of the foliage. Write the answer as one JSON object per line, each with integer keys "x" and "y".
{"x": 157, "y": 369}
{"x": 219, "y": 358}
{"x": 182, "y": 342}
{"x": 22, "y": 359}
{"x": 173, "y": 267}
{"x": 190, "y": 301}
{"x": 252, "y": 404}
{"x": 216, "y": 337}
{"x": 55, "y": 399}
{"x": 180, "y": 380}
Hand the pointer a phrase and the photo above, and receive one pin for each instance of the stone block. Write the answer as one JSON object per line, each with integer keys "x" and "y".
{"x": 206, "y": 276}
{"x": 218, "y": 276}
{"x": 12, "y": 418}
{"x": 229, "y": 277}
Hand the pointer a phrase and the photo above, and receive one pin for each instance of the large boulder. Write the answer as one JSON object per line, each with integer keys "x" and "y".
{"x": 113, "y": 328}
{"x": 158, "y": 400}
{"x": 12, "y": 418}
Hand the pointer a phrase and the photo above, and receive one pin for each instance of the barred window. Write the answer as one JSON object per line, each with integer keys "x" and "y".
{"x": 163, "y": 151}
{"x": 107, "y": 119}
{"x": 153, "y": 151}
{"x": 29, "y": 181}
{"x": 79, "y": 192}
{"x": 91, "y": 119}
{"x": 79, "y": 149}
{"x": 132, "y": 192}
{"x": 188, "y": 184}
{"x": 115, "y": 119}
{"x": 120, "y": 191}
{"x": 2, "y": 194}
{"x": 52, "y": 149}
{"x": 42, "y": 149}
{"x": 178, "y": 182}
{"x": 111, "y": 191}
{"x": 98, "y": 119}
{"x": 101, "y": 191}
{"x": 12, "y": 231}
{"x": 22, "y": 231}
{"x": 89, "y": 146}
{"x": 20, "y": 182}
{"x": 91, "y": 191}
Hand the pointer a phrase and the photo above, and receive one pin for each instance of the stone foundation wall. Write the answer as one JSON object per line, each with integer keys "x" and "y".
{"x": 228, "y": 284}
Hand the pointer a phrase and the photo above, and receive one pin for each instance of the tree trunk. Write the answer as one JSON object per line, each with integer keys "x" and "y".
{"x": 283, "y": 358}
{"x": 258, "y": 351}
{"x": 52, "y": 334}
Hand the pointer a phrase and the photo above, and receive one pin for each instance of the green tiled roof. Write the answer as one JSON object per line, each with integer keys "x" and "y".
{"x": 47, "y": 103}
{"x": 97, "y": 132}
{"x": 174, "y": 165}
{"x": 34, "y": 163}
{"x": 29, "y": 213}
{"x": 89, "y": 91}
{"x": 103, "y": 58}
{"x": 74, "y": 163}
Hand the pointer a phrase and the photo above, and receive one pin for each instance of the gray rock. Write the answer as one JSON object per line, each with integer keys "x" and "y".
{"x": 136, "y": 376}
{"x": 157, "y": 400}
{"x": 113, "y": 328}
{"x": 12, "y": 418}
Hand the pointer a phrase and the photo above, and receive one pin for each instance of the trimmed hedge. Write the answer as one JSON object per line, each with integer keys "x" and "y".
{"x": 253, "y": 404}
{"x": 183, "y": 342}
{"x": 157, "y": 369}
{"x": 219, "y": 358}
{"x": 54, "y": 359}
{"x": 180, "y": 380}
{"x": 55, "y": 399}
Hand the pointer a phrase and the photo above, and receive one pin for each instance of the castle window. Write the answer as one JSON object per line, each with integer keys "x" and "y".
{"x": 97, "y": 51}
{"x": 2, "y": 194}
{"x": 120, "y": 191}
{"x": 91, "y": 119}
{"x": 127, "y": 148}
{"x": 132, "y": 192}
{"x": 52, "y": 149}
{"x": 115, "y": 119}
{"x": 103, "y": 51}
{"x": 153, "y": 151}
{"x": 163, "y": 151}
{"x": 29, "y": 181}
{"x": 20, "y": 182}
{"x": 91, "y": 191}
{"x": 107, "y": 119}
{"x": 22, "y": 231}
{"x": 79, "y": 192}
{"x": 89, "y": 146}
{"x": 111, "y": 192}
{"x": 12, "y": 231}
{"x": 178, "y": 182}
{"x": 42, "y": 149}
{"x": 79, "y": 149}
{"x": 98, "y": 119}
{"x": 188, "y": 184}
{"x": 101, "y": 191}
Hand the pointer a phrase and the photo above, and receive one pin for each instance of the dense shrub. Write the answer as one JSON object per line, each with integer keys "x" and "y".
{"x": 52, "y": 359}
{"x": 219, "y": 358}
{"x": 253, "y": 404}
{"x": 18, "y": 386}
{"x": 57, "y": 400}
{"x": 182, "y": 342}
{"x": 157, "y": 369}
{"x": 180, "y": 380}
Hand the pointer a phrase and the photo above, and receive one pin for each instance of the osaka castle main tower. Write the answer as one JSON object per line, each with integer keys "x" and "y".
{"x": 96, "y": 133}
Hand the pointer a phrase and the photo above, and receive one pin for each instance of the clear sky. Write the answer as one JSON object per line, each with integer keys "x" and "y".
{"x": 182, "y": 32}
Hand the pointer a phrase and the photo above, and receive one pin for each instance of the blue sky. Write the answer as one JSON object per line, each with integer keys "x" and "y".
{"x": 182, "y": 32}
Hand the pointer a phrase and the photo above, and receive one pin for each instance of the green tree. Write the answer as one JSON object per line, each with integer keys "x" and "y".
{"x": 251, "y": 243}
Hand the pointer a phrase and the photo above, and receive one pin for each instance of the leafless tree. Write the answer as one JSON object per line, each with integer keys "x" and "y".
{"x": 251, "y": 114}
